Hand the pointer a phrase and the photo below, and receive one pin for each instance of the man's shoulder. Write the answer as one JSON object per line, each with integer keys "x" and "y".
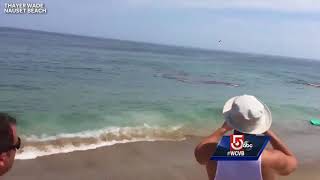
{"x": 272, "y": 156}
{"x": 271, "y": 153}
{"x": 268, "y": 154}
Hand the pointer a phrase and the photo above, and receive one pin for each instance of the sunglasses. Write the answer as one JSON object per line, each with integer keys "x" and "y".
{"x": 16, "y": 146}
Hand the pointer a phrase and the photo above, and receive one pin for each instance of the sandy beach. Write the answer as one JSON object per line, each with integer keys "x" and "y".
{"x": 138, "y": 160}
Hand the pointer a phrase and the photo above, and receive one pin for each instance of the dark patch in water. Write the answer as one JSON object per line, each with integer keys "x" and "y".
{"x": 19, "y": 86}
{"x": 219, "y": 82}
{"x": 82, "y": 69}
{"x": 169, "y": 76}
{"x": 306, "y": 83}
{"x": 184, "y": 78}
{"x": 298, "y": 81}
{"x": 314, "y": 85}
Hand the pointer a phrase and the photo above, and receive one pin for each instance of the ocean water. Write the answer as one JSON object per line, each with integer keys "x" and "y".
{"x": 76, "y": 93}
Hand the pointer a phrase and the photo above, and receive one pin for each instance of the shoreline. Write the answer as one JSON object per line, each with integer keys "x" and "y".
{"x": 138, "y": 160}
{"x": 295, "y": 137}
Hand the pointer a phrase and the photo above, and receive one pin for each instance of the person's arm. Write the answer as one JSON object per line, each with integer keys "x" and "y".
{"x": 280, "y": 158}
{"x": 208, "y": 146}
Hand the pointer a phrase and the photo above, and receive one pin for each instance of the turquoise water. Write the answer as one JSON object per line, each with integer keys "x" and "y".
{"x": 61, "y": 84}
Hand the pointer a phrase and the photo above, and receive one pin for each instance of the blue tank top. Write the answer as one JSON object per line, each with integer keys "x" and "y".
{"x": 239, "y": 170}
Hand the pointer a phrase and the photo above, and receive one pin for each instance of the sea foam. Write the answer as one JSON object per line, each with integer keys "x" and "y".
{"x": 37, "y": 146}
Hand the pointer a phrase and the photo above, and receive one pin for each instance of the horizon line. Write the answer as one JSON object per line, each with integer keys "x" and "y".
{"x": 167, "y": 45}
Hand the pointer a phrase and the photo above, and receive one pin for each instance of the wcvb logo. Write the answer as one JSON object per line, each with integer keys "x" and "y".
{"x": 236, "y": 142}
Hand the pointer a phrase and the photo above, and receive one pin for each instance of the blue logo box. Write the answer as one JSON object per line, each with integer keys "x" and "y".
{"x": 257, "y": 144}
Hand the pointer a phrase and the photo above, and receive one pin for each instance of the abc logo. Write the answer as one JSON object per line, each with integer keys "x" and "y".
{"x": 247, "y": 145}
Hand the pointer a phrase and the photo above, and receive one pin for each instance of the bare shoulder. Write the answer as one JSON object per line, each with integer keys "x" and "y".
{"x": 278, "y": 161}
{"x": 270, "y": 157}
{"x": 267, "y": 172}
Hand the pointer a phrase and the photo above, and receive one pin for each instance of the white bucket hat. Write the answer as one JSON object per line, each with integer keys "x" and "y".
{"x": 247, "y": 114}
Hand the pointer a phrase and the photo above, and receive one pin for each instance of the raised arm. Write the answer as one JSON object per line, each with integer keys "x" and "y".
{"x": 280, "y": 158}
{"x": 208, "y": 146}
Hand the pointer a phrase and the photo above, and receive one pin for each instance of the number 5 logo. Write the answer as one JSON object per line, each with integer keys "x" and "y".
{"x": 236, "y": 142}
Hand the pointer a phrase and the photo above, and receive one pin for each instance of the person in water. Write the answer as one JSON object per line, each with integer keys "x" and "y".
{"x": 246, "y": 115}
{"x": 9, "y": 142}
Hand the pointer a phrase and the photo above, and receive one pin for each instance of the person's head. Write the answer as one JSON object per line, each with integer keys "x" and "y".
{"x": 247, "y": 115}
{"x": 9, "y": 142}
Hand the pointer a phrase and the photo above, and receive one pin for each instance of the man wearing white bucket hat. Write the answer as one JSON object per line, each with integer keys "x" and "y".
{"x": 246, "y": 115}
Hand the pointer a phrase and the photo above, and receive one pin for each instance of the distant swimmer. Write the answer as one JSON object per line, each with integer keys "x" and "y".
{"x": 220, "y": 41}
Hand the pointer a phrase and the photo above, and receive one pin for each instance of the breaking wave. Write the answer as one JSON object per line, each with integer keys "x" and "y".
{"x": 36, "y": 146}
